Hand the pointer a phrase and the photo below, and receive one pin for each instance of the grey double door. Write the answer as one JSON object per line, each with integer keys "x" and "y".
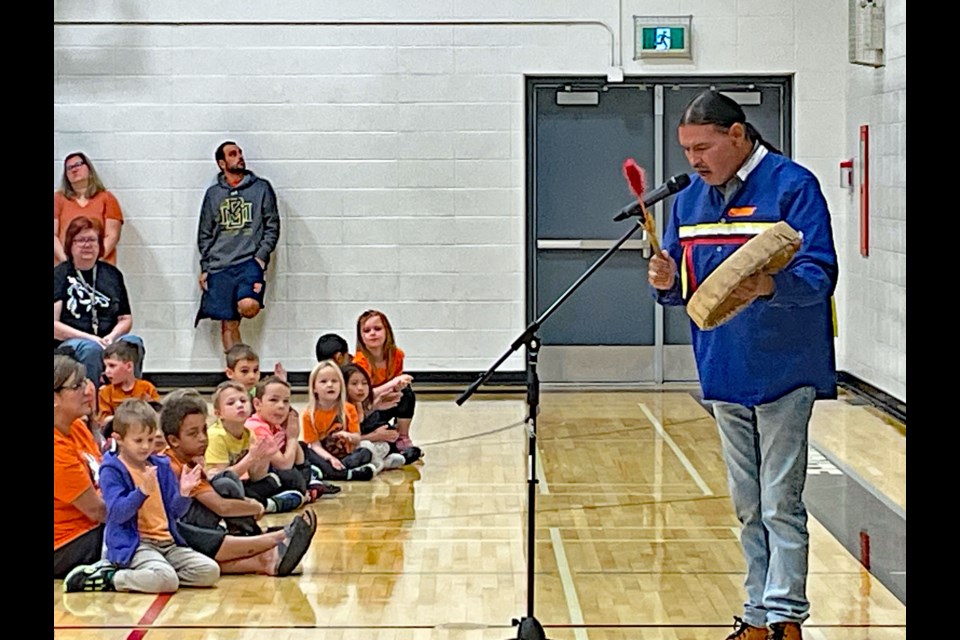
{"x": 580, "y": 132}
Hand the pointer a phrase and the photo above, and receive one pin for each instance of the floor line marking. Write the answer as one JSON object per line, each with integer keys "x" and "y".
{"x": 676, "y": 450}
{"x": 566, "y": 580}
{"x": 541, "y": 475}
{"x": 151, "y": 615}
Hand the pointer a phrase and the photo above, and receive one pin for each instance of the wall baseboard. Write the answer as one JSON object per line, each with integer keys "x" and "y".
{"x": 427, "y": 381}
{"x": 872, "y": 394}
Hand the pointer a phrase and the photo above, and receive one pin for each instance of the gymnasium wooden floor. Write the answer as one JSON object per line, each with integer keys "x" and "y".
{"x": 636, "y": 537}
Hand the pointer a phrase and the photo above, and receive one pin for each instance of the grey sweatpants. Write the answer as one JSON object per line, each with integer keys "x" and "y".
{"x": 161, "y": 567}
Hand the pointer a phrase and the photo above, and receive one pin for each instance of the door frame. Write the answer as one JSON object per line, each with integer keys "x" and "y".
{"x": 656, "y": 82}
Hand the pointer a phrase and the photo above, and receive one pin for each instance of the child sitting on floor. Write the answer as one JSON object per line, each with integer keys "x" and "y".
{"x": 231, "y": 447}
{"x": 379, "y": 355}
{"x": 332, "y": 346}
{"x": 373, "y": 427}
{"x": 331, "y": 429}
{"x": 243, "y": 366}
{"x": 118, "y": 361}
{"x": 238, "y": 544}
{"x": 144, "y": 500}
{"x": 274, "y": 416}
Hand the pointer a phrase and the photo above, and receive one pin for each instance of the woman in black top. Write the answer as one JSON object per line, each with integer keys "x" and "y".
{"x": 90, "y": 305}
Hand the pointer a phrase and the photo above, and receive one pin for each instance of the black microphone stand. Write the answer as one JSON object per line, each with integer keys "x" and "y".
{"x": 529, "y": 627}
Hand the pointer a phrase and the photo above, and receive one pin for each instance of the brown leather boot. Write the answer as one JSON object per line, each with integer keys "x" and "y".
{"x": 785, "y": 631}
{"x": 744, "y": 631}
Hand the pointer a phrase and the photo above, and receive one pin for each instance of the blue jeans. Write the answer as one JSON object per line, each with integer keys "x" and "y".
{"x": 765, "y": 450}
{"x": 90, "y": 355}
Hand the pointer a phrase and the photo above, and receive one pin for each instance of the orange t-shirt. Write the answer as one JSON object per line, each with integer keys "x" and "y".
{"x": 110, "y": 396}
{"x": 382, "y": 374}
{"x": 151, "y": 518}
{"x": 76, "y": 468}
{"x": 177, "y": 467}
{"x": 323, "y": 423}
{"x": 102, "y": 207}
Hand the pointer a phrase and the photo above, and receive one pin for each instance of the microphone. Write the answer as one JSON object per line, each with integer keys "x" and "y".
{"x": 675, "y": 184}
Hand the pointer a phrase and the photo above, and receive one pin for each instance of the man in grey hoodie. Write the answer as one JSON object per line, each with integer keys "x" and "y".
{"x": 239, "y": 228}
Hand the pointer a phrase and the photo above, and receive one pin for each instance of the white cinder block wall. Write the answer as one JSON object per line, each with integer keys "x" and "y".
{"x": 876, "y": 286}
{"x": 397, "y": 152}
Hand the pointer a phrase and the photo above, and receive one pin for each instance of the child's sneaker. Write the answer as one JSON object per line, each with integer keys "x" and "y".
{"x": 330, "y": 489}
{"x": 318, "y": 488}
{"x": 365, "y": 472}
{"x": 394, "y": 461}
{"x": 411, "y": 454}
{"x": 284, "y": 501}
{"x": 90, "y": 577}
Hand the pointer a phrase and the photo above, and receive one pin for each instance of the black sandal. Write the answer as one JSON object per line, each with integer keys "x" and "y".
{"x": 300, "y": 532}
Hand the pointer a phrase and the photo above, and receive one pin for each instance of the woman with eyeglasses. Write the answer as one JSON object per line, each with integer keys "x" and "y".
{"x": 91, "y": 309}
{"x": 82, "y": 194}
{"x": 78, "y": 509}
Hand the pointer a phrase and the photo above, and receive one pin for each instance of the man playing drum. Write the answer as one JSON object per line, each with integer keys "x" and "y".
{"x": 764, "y": 367}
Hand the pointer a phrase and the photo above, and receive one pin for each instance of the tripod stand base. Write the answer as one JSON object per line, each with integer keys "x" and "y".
{"x": 529, "y": 629}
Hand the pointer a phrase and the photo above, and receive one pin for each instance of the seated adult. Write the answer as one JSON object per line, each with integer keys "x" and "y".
{"x": 82, "y": 193}
{"x": 78, "y": 509}
{"x": 90, "y": 305}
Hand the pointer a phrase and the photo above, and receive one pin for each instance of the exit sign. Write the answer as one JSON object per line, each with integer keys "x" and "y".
{"x": 662, "y": 37}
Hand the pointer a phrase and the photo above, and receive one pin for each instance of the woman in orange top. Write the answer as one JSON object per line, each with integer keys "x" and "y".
{"x": 379, "y": 355}
{"x": 82, "y": 194}
{"x": 78, "y": 509}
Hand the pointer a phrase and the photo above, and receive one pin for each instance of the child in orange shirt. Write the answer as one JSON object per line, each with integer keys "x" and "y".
{"x": 118, "y": 361}
{"x": 144, "y": 499}
{"x": 379, "y": 355}
{"x": 331, "y": 429}
{"x": 238, "y": 545}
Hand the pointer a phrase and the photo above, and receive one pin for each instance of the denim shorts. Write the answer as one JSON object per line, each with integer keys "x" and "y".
{"x": 226, "y": 288}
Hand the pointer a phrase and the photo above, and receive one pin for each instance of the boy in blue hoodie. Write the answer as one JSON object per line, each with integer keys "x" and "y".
{"x": 238, "y": 231}
{"x": 144, "y": 499}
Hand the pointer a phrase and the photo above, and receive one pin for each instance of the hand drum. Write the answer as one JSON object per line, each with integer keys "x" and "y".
{"x": 713, "y": 304}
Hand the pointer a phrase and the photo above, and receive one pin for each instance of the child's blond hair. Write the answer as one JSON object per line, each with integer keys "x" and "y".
{"x": 134, "y": 412}
{"x": 222, "y": 387}
{"x": 341, "y": 404}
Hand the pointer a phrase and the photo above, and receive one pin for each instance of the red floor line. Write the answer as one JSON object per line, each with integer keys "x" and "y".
{"x": 150, "y": 616}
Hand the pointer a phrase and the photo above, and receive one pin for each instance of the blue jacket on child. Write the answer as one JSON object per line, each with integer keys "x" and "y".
{"x": 123, "y": 500}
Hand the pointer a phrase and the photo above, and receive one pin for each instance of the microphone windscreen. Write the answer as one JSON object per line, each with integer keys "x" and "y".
{"x": 635, "y": 178}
